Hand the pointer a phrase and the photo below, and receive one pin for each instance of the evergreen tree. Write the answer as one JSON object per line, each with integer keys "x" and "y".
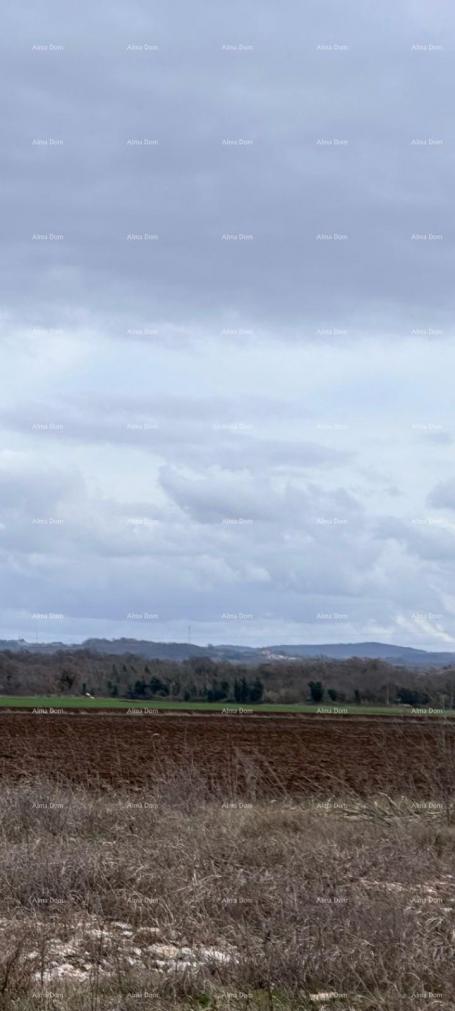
{"x": 316, "y": 691}
{"x": 244, "y": 691}
{"x": 256, "y": 690}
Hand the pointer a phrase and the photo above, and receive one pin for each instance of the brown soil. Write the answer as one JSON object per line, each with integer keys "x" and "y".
{"x": 273, "y": 755}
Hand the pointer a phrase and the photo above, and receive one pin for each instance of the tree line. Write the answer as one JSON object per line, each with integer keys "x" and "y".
{"x": 203, "y": 679}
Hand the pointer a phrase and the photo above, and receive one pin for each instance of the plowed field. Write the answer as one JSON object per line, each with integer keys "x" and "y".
{"x": 272, "y": 753}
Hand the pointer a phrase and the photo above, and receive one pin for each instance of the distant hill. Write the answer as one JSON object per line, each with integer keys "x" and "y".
{"x": 117, "y": 647}
{"x": 404, "y": 656}
{"x": 148, "y": 650}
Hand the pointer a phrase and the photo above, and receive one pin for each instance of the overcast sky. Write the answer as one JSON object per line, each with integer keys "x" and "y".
{"x": 227, "y": 334}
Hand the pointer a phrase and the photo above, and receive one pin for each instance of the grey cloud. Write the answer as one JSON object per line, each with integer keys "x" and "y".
{"x": 190, "y": 189}
{"x": 443, "y": 495}
{"x": 425, "y": 537}
{"x": 294, "y": 138}
{"x": 193, "y": 430}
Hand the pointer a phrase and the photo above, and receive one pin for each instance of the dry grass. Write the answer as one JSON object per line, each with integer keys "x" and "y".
{"x": 345, "y": 895}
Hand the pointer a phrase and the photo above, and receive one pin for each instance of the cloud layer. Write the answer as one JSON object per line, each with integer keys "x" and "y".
{"x": 226, "y": 332}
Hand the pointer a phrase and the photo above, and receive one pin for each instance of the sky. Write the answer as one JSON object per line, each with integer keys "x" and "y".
{"x": 227, "y": 306}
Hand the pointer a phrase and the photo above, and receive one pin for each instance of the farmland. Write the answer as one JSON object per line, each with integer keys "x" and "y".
{"x": 163, "y": 705}
{"x": 170, "y": 858}
{"x": 175, "y": 855}
{"x": 174, "y": 861}
{"x": 281, "y": 754}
